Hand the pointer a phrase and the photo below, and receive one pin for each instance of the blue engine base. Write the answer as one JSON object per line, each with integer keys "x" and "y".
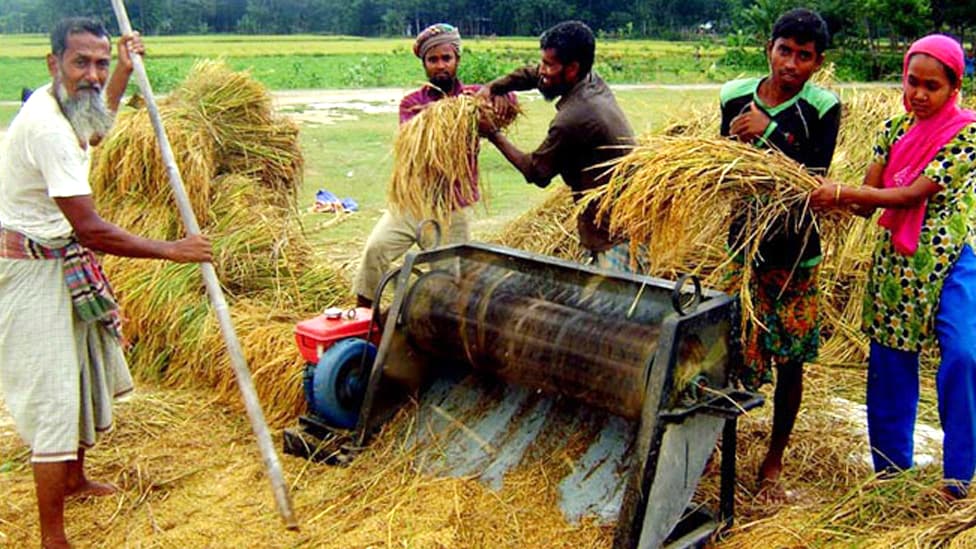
{"x": 335, "y": 387}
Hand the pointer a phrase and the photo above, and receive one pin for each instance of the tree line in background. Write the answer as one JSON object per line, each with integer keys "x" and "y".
{"x": 864, "y": 23}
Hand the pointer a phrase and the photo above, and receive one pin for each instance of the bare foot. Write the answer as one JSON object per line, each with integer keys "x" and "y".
{"x": 89, "y": 488}
{"x": 772, "y": 491}
{"x": 770, "y": 470}
{"x": 56, "y": 542}
{"x": 952, "y": 493}
{"x": 770, "y": 488}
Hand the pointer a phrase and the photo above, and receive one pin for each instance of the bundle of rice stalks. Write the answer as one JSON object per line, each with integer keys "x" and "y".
{"x": 699, "y": 121}
{"x": 843, "y": 276}
{"x": 863, "y": 113}
{"x": 826, "y": 77}
{"x": 218, "y": 122}
{"x": 263, "y": 262}
{"x": 674, "y": 197}
{"x": 547, "y": 229}
{"x": 435, "y": 158}
{"x": 250, "y": 139}
{"x": 129, "y": 165}
{"x": 241, "y": 166}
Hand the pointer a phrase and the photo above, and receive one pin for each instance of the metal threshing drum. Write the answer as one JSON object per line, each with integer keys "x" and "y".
{"x": 511, "y": 355}
{"x": 487, "y": 318}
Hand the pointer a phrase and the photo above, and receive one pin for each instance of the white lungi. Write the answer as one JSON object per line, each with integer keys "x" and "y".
{"x": 58, "y": 374}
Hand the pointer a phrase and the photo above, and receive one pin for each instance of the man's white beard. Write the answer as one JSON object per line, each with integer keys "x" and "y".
{"x": 86, "y": 111}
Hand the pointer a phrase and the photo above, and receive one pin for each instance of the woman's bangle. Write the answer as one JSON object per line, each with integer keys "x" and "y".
{"x": 837, "y": 194}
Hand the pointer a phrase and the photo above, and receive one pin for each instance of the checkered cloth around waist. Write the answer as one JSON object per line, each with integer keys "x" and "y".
{"x": 91, "y": 293}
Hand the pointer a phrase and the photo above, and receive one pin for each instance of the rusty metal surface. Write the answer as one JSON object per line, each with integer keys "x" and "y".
{"x": 481, "y": 428}
{"x": 515, "y": 358}
{"x": 498, "y": 327}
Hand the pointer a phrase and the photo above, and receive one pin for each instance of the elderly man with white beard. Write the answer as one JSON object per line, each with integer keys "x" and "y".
{"x": 61, "y": 357}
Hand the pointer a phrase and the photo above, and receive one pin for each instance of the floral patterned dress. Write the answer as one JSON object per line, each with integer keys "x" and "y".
{"x": 902, "y": 296}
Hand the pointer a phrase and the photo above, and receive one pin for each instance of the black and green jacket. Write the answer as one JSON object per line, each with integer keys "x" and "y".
{"x": 805, "y": 129}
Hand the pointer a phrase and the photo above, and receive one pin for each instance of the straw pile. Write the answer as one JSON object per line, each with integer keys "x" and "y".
{"x": 848, "y": 244}
{"x": 242, "y": 166}
{"x": 674, "y": 197}
{"x": 837, "y": 501}
{"x": 435, "y": 158}
{"x": 177, "y": 491}
{"x": 547, "y": 229}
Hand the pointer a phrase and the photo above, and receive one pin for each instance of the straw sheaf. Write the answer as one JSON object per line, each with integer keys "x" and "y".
{"x": 241, "y": 167}
{"x": 435, "y": 156}
{"x": 547, "y": 229}
{"x": 674, "y": 198}
{"x": 249, "y": 138}
{"x": 129, "y": 163}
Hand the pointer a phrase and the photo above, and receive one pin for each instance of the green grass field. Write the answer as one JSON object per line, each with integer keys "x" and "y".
{"x": 35, "y": 46}
{"x": 7, "y": 113}
{"x": 301, "y": 62}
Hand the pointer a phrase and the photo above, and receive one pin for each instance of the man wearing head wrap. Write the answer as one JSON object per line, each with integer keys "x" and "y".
{"x": 439, "y": 49}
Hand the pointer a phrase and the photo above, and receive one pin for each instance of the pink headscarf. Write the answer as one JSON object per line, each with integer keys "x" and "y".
{"x": 913, "y": 152}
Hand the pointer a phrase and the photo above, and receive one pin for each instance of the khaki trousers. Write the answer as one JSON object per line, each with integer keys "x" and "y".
{"x": 392, "y": 237}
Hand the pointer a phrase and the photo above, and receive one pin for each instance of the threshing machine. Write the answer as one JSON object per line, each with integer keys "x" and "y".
{"x": 510, "y": 354}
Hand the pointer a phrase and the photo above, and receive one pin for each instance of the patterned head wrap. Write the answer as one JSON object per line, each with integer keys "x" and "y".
{"x": 437, "y": 35}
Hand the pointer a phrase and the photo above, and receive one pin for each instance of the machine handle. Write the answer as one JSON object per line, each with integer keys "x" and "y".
{"x": 437, "y": 233}
{"x": 728, "y": 404}
{"x": 680, "y": 300}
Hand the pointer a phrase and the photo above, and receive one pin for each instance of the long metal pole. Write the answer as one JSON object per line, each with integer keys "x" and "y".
{"x": 243, "y": 375}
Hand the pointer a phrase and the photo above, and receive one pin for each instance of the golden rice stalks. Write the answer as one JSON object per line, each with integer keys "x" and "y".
{"x": 218, "y": 122}
{"x": 848, "y": 245}
{"x": 700, "y": 121}
{"x": 667, "y": 193}
{"x": 241, "y": 166}
{"x": 264, "y": 264}
{"x": 188, "y": 476}
{"x": 674, "y": 198}
{"x": 435, "y": 158}
{"x": 847, "y": 250}
{"x": 250, "y": 139}
{"x": 864, "y": 112}
{"x": 547, "y": 229}
{"x": 128, "y": 163}
{"x": 826, "y": 77}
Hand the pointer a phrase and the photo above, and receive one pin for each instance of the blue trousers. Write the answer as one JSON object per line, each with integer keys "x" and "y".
{"x": 892, "y": 392}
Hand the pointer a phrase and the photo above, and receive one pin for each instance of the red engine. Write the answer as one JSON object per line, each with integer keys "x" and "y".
{"x": 315, "y": 335}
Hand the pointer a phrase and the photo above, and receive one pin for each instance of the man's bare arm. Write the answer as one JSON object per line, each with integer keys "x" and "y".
{"x": 97, "y": 234}
{"x": 115, "y": 89}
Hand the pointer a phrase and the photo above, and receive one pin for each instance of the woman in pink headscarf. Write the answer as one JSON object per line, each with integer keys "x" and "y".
{"x": 922, "y": 284}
